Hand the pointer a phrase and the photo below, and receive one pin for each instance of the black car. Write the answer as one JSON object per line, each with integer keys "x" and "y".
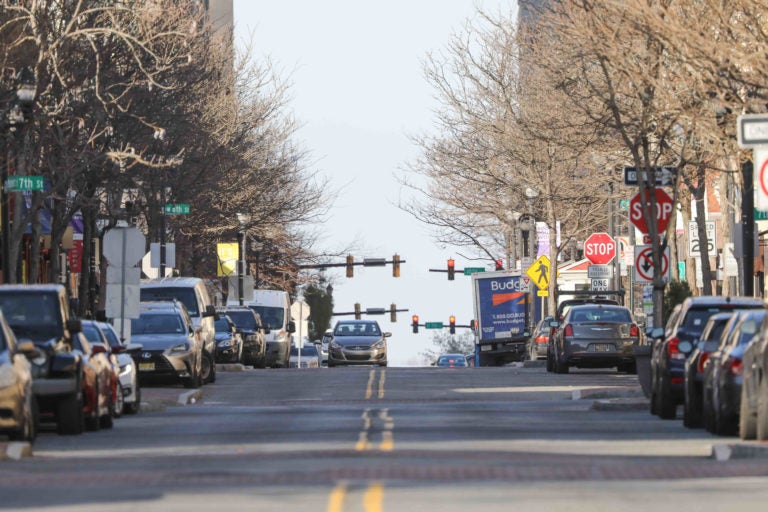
{"x": 723, "y": 374}
{"x": 229, "y": 343}
{"x": 753, "y": 413}
{"x": 668, "y": 360}
{"x": 252, "y": 331}
{"x": 694, "y": 367}
{"x": 595, "y": 336}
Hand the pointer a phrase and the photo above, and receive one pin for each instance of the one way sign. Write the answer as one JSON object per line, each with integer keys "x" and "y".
{"x": 644, "y": 264}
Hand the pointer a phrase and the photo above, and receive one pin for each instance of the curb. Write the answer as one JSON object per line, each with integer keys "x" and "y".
{"x": 748, "y": 450}
{"x": 599, "y": 393}
{"x": 539, "y": 363}
{"x": 15, "y": 450}
{"x": 230, "y": 367}
{"x": 621, "y": 404}
{"x": 190, "y": 397}
{"x": 185, "y": 398}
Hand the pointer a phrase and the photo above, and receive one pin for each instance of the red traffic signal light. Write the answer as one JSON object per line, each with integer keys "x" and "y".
{"x": 499, "y": 264}
{"x": 415, "y": 323}
{"x": 452, "y": 324}
{"x": 451, "y": 269}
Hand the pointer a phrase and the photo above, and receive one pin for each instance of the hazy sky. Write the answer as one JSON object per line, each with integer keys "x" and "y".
{"x": 358, "y": 90}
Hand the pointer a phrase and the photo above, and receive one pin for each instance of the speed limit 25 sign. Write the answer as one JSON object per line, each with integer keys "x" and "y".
{"x": 694, "y": 243}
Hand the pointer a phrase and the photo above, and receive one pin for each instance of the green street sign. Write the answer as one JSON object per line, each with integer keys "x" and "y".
{"x": 23, "y": 183}
{"x": 433, "y": 325}
{"x": 760, "y": 215}
{"x": 473, "y": 270}
{"x": 176, "y": 209}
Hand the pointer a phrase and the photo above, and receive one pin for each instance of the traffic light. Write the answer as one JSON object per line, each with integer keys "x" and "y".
{"x": 392, "y": 313}
{"x": 451, "y": 269}
{"x": 415, "y": 323}
{"x": 357, "y": 311}
{"x": 472, "y": 324}
{"x": 350, "y": 266}
{"x": 396, "y": 266}
{"x": 452, "y": 324}
{"x": 499, "y": 264}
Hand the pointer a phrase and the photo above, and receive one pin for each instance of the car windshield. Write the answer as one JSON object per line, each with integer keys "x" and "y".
{"x": 357, "y": 329}
{"x": 157, "y": 324}
{"x": 92, "y": 333}
{"x": 111, "y": 336}
{"x": 306, "y": 351}
{"x": 273, "y": 317}
{"x": 616, "y": 315}
{"x": 183, "y": 294}
{"x": 32, "y": 315}
{"x": 243, "y": 319}
{"x": 222, "y": 325}
{"x": 696, "y": 318}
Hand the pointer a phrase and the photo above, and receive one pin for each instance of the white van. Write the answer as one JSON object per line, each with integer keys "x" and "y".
{"x": 274, "y": 307}
{"x": 191, "y": 291}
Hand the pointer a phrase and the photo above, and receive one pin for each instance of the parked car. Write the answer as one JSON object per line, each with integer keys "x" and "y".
{"x": 539, "y": 342}
{"x": 172, "y": 347}
{"x": 452, "y": 361}
{"x": 99, "y": 343}
{"x": 322, "y": 347}
{"x": 253, "y": 332}
{"x": 595, "y": 336}
{"x": 308, "y": 357}
{"x": 357, "y": 342}
{"x": 40, "y": 313}
{"x": 723, "y": 374}
{"x": 668, "y": 360}
{"x": 229, "y": 342}
{"x": 753, "y": 405}
{"x": 191, "y": 291}
{"x": 127, "y": 357}
{"x": 18, "y": 407}
{"x": 694, "y": 367}
{"x": 97, "y": 384}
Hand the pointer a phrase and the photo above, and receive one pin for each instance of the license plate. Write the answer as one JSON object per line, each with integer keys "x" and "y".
{"x": 603, "y": 347}
{"x": 146, "y": 367}
{"x": 485, "y": 348}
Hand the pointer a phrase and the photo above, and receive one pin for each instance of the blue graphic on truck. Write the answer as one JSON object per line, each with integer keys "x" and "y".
{"x": 502, "y": 307}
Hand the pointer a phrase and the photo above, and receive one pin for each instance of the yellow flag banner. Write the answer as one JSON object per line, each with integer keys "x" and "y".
{"x": 227, "y": 259}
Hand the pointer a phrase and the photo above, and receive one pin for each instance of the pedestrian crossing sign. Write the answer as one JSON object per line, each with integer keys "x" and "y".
{"x": 539, "y": 272}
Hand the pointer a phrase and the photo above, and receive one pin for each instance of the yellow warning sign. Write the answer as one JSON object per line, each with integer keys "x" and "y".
{"x": 539, "y": 273}
{"x": 227, "y": 257}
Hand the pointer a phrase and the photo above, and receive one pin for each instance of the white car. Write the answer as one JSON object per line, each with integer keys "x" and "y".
{"x": 128, "y": 376}
{"x": 322, "y": 348}
{"x": 308, "y": 357}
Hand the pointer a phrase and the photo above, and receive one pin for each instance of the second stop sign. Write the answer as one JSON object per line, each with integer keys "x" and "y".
{"x": 600, "y": 248}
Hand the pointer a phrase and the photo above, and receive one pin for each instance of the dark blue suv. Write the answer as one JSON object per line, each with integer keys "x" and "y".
{"x": 671, "y": 350}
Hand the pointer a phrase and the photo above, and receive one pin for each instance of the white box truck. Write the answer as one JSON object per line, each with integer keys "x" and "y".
{"x": 274, "y": 308}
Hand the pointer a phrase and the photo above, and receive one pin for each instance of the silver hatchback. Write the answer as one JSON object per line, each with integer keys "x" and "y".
{"x": 357, "y": 342}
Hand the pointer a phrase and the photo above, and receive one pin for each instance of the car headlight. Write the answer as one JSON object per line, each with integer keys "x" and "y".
{"x": 181, "y": 347}
{"x": 126, "y": 369}
{"x": 7, "y": 377}
{"x": 378, "y": 345}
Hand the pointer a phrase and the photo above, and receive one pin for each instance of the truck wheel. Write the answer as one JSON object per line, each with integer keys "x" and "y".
{"x": 70, "y": 419}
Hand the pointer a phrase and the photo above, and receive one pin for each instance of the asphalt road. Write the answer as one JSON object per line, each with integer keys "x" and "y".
{"x": 373, "y": 439}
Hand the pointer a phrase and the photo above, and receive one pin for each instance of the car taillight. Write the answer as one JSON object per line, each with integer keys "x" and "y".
{"x": 735, "y": 366}
{"x": 568, "y": 331}
{"x": 702, "y": 359}
{"x": 672, "y": 351}
{"x": 634, "y": 331}
{"x": 542, "y": 339}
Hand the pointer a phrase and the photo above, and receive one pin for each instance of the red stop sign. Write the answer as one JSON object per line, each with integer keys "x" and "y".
{"x": 662, "y": 213}
{"x": 600, "y": 248}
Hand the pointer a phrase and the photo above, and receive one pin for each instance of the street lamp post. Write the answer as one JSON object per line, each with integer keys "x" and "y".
{"x": 243, "y": 219}
{"x": 17, "y": 116}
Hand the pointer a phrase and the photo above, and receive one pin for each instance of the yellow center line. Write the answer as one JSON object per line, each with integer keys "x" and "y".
{"x": 382, "y": 378}
{"x": 336, "y": 499}
{"x": 373, "y": 498}
{"x": 369, "y": 387}
{"x": 387, "y": 436}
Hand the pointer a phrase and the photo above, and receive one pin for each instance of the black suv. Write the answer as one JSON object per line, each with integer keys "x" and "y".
{"x": 671, "y": 348}
{"x": 40, "y": 313}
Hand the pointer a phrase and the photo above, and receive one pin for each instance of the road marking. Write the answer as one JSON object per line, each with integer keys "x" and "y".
{"x": 373, "y": 498}
{"x": 387, "y": 438}
{"x": 369, "y": 387}
{"x": 336, "y": 499}
{"x": 382, "y": 378}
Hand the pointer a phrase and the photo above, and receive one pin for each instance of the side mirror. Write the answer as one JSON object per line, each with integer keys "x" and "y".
{"x": 291, "y": 326}
{"x": 210, "y": 311}
{"x": 657, "y": 333}
{"x": 133, "y": 347}
{"x": 74, "y": 325}
{"x": 29, "y": 349}
{"x": 387, "y": 334}
{"x": 686, "y": 347}
{"x": 265, "y": 328}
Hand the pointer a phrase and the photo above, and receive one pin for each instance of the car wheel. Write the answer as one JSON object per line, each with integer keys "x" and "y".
{"x": 28, "y": 429}
{"x": 706, "y": 411}
{"x": 119, "y": 402}
{"x": 208, "y": 369}
{"x": 133, "y": 407}
{"x": 692, "y": 417}
{"x": 70, "y": 418}
{"x": 762, "y": 411}
{"x": 550, "y": 363}
{"x": 92, "y": 421}
{"x": 667, "y": 408}
{"x": 747, "y": 420}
